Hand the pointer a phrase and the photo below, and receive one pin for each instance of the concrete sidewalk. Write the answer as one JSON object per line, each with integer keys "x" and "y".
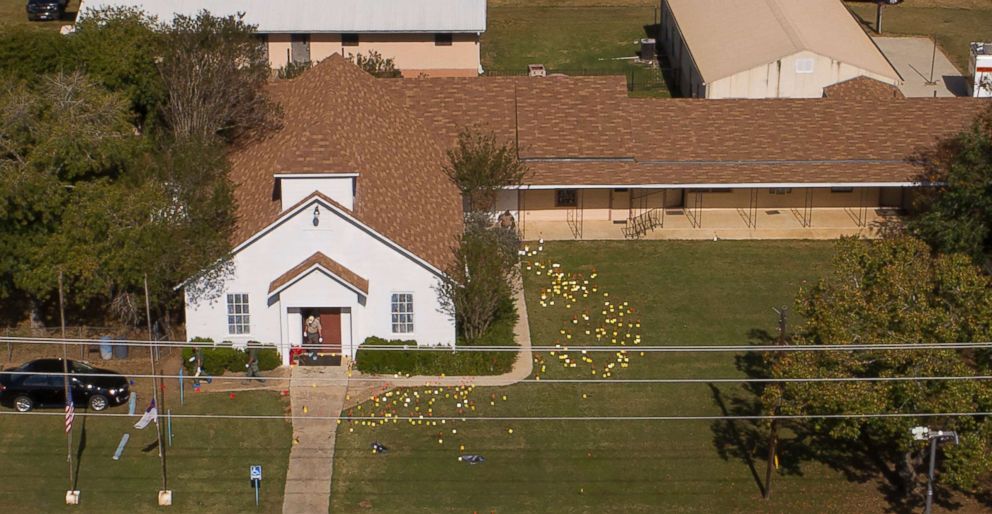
{"x": 913, "y": 58}
{"x": 311, "y": 461}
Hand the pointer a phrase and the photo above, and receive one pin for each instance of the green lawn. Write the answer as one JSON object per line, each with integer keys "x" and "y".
{"x": 208, "y": 462}
{"x": 683, "y": 293}
{"x": 953, "y": 26}
{"x": 571, "y": 40}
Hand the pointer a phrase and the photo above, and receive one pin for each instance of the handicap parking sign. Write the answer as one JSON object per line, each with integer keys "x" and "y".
{"x": 256, "y": 472}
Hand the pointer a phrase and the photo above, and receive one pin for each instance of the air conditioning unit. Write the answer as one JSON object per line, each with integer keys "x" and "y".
{"x": 981, "y": 70}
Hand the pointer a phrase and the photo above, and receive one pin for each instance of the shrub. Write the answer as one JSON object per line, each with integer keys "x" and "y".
{"x": 293, "y": 69}
{"x": 223, "y": 358}
{"x": 440, "y": 362}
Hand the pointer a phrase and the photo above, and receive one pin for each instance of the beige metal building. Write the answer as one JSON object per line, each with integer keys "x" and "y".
{"x": 767, "y": 48}
{"x": 423, "y": 37}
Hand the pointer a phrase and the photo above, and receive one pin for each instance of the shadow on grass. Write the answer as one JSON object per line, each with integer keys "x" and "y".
{"x": 79, "y": 453}
{"x": 859, "y": 460}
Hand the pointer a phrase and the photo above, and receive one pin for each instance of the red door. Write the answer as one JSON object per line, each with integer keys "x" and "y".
{"x": 330, "y": 325}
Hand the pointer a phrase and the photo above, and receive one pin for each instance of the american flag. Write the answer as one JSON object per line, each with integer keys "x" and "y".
{"x": 70, "y": 411}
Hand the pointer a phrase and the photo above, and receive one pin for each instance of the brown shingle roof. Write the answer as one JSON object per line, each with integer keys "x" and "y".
{"x": 862, "y": 87}
{"x": 822, "y": 129}
{"x": 338, "y": 118}
{"x": 847, "y": 138}
{"x": 552, "y": 116}
{"x": 624, "y": 174}
{"x": 319, "y": 259}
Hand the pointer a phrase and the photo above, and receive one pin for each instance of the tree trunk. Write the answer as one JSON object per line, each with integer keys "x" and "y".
{"x": 906, "y": 469}
{"x": 34, "y": 315}
{"x": 772, "y": 446}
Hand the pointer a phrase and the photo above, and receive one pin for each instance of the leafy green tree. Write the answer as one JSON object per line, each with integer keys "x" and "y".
{"x": 26, "y": 54}
{"x": 481, "y": 167}
{"x": 117, "y": 47}
{"x": 479, "y": 282}
{"x": 53, "y": 136}
{"x": 894, "y": 291}
{"x": 956, "y": 216}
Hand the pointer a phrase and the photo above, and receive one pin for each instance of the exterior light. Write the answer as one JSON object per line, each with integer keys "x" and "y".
{"x": 935, "y": 436}
{"x": 316, "y": 216}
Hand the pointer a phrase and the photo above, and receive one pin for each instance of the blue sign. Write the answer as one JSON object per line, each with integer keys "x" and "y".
{"x": 256, "y": 472}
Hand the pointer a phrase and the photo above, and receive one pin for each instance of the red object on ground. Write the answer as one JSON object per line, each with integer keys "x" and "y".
{"x": 295, "y": 352}
{"x": 232, "y": 396}
{"x": 285, "y": 392}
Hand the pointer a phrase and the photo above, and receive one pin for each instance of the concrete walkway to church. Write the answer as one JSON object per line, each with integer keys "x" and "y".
{"x": 323, "y": 392}
{"x": 316, "y": 392}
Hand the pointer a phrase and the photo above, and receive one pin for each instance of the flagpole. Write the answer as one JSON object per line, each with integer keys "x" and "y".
{"x": 65, "y": 379}
{"x": 152, "y": 350}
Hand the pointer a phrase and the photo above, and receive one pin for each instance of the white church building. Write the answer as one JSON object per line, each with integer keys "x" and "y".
{"x": 344, "y": 214}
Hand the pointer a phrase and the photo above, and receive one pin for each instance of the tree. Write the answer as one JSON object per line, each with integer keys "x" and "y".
{"x": 480, "y": 278}
{"x": 62, "y": 131}
{"x": 117, "y": 47}
{"x": 894, "y": 291}
{"x": 481, "y": 167}
{"x": 376, "y": 65}
{"x": 215, "y": 70}
{"x": 26, "y": 54}
{"x": 956, "y": 216}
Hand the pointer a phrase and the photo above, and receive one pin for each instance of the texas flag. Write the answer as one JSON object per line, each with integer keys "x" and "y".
{"x": 151, "y": 414}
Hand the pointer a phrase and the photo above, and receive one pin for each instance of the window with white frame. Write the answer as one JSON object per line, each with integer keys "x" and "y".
{"x": 238, "y": 321}
{"x": 402, "y": 310}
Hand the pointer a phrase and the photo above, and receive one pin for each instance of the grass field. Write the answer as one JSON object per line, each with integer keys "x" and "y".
{"x": 571, "y": 40}
{"x": 208, "y": 462}
{"x": 684, "y": 293}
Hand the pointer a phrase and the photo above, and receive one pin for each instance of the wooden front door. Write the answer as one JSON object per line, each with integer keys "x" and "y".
{"x": 330, "y": 324}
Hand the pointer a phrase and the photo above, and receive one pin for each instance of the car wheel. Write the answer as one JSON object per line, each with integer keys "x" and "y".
{"x": 98, "y": 402}
{"x": 23, "y": 403}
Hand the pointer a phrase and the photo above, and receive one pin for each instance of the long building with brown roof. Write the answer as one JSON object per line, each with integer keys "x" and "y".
{"x": 607, "y": 165}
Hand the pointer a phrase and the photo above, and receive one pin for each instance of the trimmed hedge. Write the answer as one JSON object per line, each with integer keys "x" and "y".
{"x": 224, "y": 357}
{"x": 441, "y": 362}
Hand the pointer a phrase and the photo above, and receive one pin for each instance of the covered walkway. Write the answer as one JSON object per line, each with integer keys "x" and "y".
{"x": 678, "y": 223}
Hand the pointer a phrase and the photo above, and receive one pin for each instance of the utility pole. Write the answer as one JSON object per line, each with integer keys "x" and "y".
{"x": 65, "y": 378}
{"x": 773, "y": 426}
{"x": 152, "y": 350}
{"x": 878, "y": 17}
{"x": 933, "y": 60}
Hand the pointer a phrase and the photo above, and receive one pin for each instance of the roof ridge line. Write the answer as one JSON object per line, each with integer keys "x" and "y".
{"x": 794, "y": 36}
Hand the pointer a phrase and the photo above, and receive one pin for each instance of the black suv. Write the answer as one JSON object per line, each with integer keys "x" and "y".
{"x": 35, "y": 384}
{"x": 46, "y": 9}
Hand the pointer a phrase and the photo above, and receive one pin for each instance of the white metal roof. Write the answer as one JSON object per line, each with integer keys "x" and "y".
{"x": 729, "y": 36}
{"x": 316, "y": 16}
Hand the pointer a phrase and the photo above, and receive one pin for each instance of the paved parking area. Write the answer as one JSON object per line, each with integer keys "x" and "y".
{"x": 912, "y": 57}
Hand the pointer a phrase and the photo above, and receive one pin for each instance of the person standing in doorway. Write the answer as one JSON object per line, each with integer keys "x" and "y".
{"x": 313, "y": 335}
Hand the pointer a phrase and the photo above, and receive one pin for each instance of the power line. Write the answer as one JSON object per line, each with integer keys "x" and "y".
{"x": 543, "y": 349}
{"x": 468, "y": 380}
{"x": 745, "y": 417}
